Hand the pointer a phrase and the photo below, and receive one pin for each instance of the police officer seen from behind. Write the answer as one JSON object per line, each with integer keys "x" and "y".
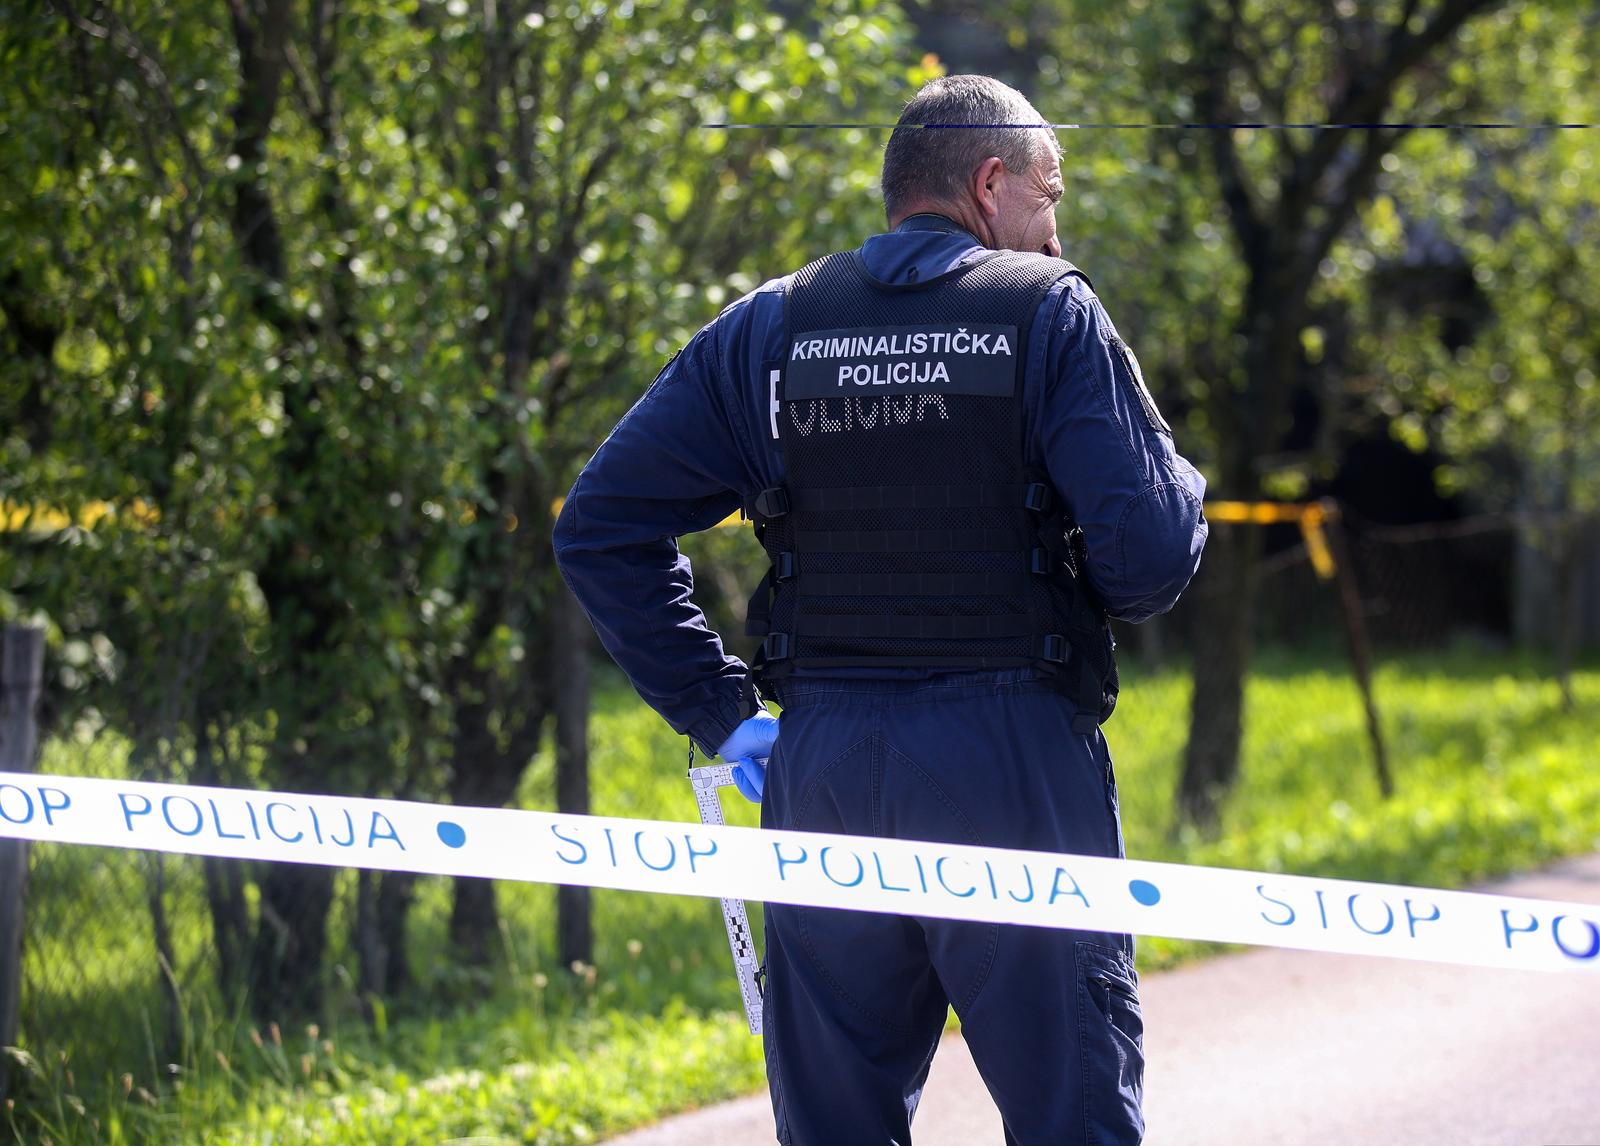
{"x": 954, "y": 464}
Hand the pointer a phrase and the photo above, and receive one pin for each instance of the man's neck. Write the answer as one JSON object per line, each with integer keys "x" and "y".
{"x": 933, "y": 219}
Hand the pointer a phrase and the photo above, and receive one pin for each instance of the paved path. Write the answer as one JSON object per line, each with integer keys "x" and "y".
{"x": 1286, "y": 1047}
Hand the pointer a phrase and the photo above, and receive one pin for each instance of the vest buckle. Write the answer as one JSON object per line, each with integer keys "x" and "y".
{"x": 775, "y": 647}
{"x": 771, "y": 503}
{"x": 1053, "y": 649}
{"x": 1038, "y": 498}
{"x": 1039, "y": 562}
{"x": 784, "y": 566}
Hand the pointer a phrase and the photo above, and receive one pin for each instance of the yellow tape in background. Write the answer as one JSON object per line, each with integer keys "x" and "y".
{"x": 46, "y": 519}
{"x": 1309, "y": 516}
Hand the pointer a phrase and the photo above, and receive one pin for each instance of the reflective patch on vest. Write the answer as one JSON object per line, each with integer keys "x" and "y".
{"x": 1135, "y": 381}
{"x": 772, "y": 376}
{"x": 980, "y": 358}
{"x": 885, "y": 411}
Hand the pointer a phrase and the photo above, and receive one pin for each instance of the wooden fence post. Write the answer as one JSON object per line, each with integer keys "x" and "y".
{"x": 1355, "y": 632}
{"x": 571, "y": 633}
{"x": 21, "y": 677}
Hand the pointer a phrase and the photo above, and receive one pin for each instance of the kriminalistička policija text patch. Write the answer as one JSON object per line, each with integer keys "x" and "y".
{"x": 829, "y": 373}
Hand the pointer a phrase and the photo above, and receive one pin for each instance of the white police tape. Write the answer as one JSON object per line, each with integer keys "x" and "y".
{"x": 907, "y": 877}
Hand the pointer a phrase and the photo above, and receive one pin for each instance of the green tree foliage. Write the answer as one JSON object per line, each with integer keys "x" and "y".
{"x": 1503, "y": 381}
{"x": 1235, "y": 233}
{"x": 344, "y": 291}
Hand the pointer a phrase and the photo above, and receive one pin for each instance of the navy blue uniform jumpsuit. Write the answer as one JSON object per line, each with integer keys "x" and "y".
{"x": 856, "y": 1002}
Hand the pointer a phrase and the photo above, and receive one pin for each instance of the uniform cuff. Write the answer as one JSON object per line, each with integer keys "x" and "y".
{"x": 713, "y": 731}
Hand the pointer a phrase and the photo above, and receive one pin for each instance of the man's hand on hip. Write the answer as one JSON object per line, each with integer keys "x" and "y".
{"x": 747, "y": 749}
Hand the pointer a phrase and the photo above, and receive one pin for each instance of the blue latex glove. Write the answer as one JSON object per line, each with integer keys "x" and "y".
{"x": 747, "y": 749}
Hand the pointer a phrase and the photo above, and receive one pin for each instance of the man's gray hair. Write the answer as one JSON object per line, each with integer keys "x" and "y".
{"x": 933, "y": 164}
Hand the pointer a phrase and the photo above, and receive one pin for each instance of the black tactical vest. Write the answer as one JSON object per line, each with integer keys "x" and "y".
{"x": 909, "y": 531}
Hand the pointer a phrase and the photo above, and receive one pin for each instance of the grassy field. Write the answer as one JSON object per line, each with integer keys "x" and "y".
{"x": 1492, "y": 777}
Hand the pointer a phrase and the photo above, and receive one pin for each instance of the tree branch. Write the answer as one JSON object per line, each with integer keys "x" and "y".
{"x": 261, "y": 64}
{"x": 121, "y": 37}
{"x": 1213, "y": 106}
{"x": 1353, "y": 191}
{"x": 1371, "y": 90}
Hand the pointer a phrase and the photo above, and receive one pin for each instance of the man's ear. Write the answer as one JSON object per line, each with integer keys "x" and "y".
{"x": 986, "y": 183}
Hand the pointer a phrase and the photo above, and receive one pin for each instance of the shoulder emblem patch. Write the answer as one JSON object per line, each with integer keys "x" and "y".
{"x": 1135, "y": 381}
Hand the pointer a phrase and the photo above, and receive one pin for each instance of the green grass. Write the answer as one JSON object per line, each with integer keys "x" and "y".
{"x": 1492, "y": 777}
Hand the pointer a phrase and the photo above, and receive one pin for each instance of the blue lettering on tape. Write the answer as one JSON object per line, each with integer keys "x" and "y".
{"x": 1505, "y": 924}
{"x": 216, "y": 822}
{"x": 695, "y": 853}
{"x": 129, "y": 812}
{"x": 1388, "y": 920}
{"x": 672, "y": 853}
{"x": 783, "y": 862}
{"x": 169, "y": 802}
{"x": 583, "y": 852}
{"x": 1412, "y": 918}
{"x": 382, "y": 829}
{"x": 16, "y": 804}
{"x": 183, "y": 819}
{"x": 1261, "y": 890}
{"x": 1589, "y": 950}
{"x": 861, "y": 868}
{"x": 1055, "y": 887}
{"x": 49, "y": 808}
{"x": 272, "y": 824}
{"x": 10, "y": 810}
{"x": 349, "y": 840}
{"x": 877, "y": 862}
{"x": 220, "y": 818}
{"x": 938, "y": 871}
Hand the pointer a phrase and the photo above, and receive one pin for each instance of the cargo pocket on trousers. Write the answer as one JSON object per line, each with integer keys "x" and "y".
{"x": 1111, "y": 1041}
{"x": 780, "y": 1112}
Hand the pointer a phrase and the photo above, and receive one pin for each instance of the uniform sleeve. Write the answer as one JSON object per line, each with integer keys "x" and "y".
{"x": 671, "y": 466}
{"x": 1111, "y": 455}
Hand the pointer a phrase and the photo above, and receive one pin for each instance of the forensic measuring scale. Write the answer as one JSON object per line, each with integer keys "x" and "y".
{"x": 708, "y": 781}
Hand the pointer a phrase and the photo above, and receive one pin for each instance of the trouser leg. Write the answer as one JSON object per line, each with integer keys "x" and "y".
{"x": 855, "y": 1002}
{"x": 848, "y": 1052}
{"x": 853, "y": 1010}
{"x": 1052, "y": 1017}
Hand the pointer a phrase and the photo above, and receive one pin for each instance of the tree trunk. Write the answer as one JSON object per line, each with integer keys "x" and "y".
{"x": 286, "y": 962}
{"x": 485, "y": 774}
{"x": 570, "y": 632}
{"x": 224, "y": 879}
{"x": 1570, "y": 610}
{"x": 474, "y": 921}
{"x": 1251, "y": 425}
{"x": 1356, "y": 640}
{"x": 172, "y": 1037}
{"x": 21, "y": 679}
{"x": 382, "y": 903}
{"x": 372, "y": 961}
{"x": 230, "y": 924}
{"x": 1568, "y": 618}
{"x": 395, "y": 896}
{"x": 1222, "y": 641}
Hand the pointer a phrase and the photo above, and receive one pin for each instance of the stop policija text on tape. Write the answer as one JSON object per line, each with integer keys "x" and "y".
{"x": 909, "y": 877}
